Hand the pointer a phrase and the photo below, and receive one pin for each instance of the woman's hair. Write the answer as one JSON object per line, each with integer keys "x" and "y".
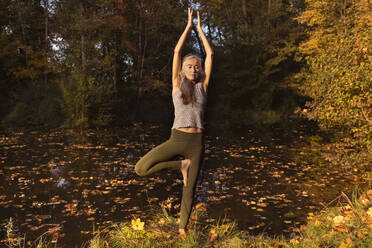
{"x": 187, "y": 86}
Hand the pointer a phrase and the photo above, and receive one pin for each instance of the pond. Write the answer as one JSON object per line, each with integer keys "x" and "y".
{"x": 68, "y": 185}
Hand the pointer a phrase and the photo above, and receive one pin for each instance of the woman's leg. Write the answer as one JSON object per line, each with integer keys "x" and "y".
{"x": 158, "y": 158}
{"x": 188, "y": 191}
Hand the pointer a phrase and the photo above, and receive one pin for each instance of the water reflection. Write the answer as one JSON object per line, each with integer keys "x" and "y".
{"x": 57, "y": 179}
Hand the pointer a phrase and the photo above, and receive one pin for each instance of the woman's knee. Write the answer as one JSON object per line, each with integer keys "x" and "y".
{"x": 138, "y": 169}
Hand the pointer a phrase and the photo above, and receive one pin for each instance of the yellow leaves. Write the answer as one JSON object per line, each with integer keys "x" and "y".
{"x": 294, "y": 241}
{"x": 369, "y": 218}
{"x": 345, "y": 244}
{"x": 137, "y": 224}
{"x": 338, "y": 223}
{"x": 276, "y": 245}
{"x": 310, "y": 216}
{"x": 161, "y": 221}
{"x": 369, "y": 212}
{"x": 360, "y": 235}
{"x": 338, "y": 220}
{"x": 317, "y": 223}
{"x": 213, "y": 234}
{"x": 194, "y": 217}
{"x": 200, "y": 206}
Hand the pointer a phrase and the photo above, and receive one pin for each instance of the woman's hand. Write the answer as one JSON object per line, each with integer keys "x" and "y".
{"x": 189, "y": 21}
{"x": 199, "y": 22}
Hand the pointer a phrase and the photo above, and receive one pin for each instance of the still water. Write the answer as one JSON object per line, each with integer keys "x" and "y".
{"x": 66, "y": 185}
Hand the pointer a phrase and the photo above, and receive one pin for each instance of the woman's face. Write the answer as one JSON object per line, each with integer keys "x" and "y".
{"x": 191, "y": 68}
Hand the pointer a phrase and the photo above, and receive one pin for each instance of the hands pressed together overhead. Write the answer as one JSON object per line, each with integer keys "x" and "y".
{"x": 177, "y": 63}
{"x": 189, "y": 21}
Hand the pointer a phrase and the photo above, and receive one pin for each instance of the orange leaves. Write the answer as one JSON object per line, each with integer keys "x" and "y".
{"x": 41, "y": 218}
{"x": 200, "y": 206}
{"x": 346, "y": 244}
{"x": 276, "y": 245}
{"x": 212, "y": 235}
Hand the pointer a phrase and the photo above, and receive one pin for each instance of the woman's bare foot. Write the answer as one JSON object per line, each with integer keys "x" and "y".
{"x": 185, "y": 164}
{"x": 182, "y": 233}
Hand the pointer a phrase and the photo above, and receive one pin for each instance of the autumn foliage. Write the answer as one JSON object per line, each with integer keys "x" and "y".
{"x": 338, "y": 71}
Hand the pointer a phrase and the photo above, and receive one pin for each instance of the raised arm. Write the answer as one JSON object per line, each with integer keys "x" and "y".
{"x": 177, "y": 53}
{"x": 209, "y": 53}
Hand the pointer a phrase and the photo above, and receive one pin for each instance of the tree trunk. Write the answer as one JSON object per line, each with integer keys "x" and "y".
{"x": 268, "y": 7}
{"x": 245, "y": 16}
{"x": 268, "y": 14}
{"x": 46, "y": 4}
{"x": 83, "y": 42}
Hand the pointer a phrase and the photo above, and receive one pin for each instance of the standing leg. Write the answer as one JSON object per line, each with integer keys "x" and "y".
{"x": 158, "y": 158}
{"x": 188, "y": 191}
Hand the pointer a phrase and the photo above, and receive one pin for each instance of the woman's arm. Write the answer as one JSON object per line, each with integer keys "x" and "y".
{"x": 209, "y": 52}
{"x": 177, "y": 52}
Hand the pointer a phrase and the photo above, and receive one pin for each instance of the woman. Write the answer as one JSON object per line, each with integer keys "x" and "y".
{"x": 189, "y": 93}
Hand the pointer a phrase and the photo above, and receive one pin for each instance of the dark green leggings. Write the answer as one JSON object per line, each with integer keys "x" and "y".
{"x": 188, "y": 145}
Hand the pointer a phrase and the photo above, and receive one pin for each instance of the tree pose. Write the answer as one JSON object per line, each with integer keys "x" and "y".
{"x": 189, "y": 93}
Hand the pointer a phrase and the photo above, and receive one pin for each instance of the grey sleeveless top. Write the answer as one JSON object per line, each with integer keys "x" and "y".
{"x": 192, "y": 114}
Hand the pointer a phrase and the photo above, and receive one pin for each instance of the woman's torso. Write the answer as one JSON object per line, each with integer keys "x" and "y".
{"x": 200, "y": 101}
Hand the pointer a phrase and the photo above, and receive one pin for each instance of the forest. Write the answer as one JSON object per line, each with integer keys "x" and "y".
{"x": 106, "y": 64}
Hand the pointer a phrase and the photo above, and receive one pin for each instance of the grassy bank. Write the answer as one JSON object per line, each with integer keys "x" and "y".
{"x": 347, "y": 224}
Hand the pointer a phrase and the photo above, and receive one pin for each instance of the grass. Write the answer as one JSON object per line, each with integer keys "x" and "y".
{"x": 161, "y": 231}
{"x": 348, "y": 224}
{"x": 15, "y": 240}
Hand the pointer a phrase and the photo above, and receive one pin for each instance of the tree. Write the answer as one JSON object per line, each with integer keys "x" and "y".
{"x": 25, "y": 62}
{"x": 339, "y": 71}
{"x": 255, "y": 44}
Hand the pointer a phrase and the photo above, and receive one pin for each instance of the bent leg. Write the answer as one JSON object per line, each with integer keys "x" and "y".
{"x": 158, "y": 159}
{"x": 188, "y": 191}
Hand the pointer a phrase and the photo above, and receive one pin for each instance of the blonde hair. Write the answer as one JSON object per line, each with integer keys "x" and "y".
{"x": 187, "y": 86}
